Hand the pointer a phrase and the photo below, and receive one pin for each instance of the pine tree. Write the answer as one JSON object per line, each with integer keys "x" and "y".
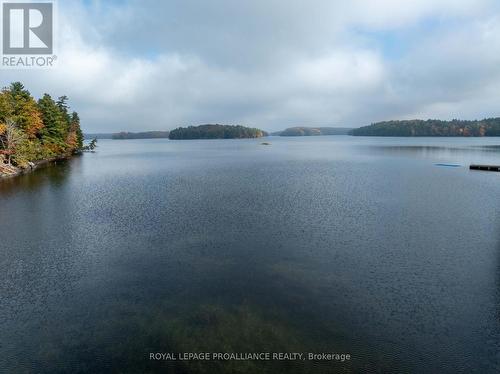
{"x": 75, "y": 123}
{"x": 56, "y": 129}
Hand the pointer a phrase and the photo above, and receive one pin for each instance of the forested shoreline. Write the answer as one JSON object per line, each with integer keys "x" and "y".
{"x": 215, "y": 132}
{"x": 124, "y": 135}
{"x": 34, "y": 131}
{"x": 313, "y": 131}
{"x": 485, "y": 127}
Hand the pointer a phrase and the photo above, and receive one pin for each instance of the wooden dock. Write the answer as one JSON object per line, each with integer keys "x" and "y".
{"x": 485, "y": 167}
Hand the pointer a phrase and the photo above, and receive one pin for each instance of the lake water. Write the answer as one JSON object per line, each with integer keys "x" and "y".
{"x": 362, "y": 246}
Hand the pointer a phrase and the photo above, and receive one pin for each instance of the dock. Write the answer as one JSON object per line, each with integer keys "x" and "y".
{"x": 485, "y": 167}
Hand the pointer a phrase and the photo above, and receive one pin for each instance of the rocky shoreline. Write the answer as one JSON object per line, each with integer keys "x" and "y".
{"x": 9, "y": 171}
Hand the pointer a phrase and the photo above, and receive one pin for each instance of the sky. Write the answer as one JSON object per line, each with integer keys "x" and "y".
{"x": 137, "y": 65}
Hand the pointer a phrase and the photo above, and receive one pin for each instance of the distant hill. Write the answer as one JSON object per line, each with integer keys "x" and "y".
{"x": 129, "y": 135}
{"x": 97, "y": 136}
{"x": 215, "y": 132}
{"x": 485, "y": 127}
{"x": 141, "y": 135}
{"x": 313, "y": 131}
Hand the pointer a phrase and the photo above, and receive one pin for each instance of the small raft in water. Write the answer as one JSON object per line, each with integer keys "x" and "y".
{"x": 449, "y": 165}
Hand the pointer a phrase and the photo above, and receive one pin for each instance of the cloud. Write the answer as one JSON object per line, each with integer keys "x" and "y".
{"x": 137, "y": 65}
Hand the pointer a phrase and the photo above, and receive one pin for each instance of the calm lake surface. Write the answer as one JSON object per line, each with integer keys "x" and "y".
{"x": 327, "y": 244}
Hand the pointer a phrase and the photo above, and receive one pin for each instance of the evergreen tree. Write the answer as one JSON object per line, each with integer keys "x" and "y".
{"x": 62, "y": 104}
{"x": 75, "y": 123}
{"x": 56, "y": 129}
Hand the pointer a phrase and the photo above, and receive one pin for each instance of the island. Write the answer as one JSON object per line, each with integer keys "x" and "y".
{"x": 313, "y": 131}
{"x": 430, "y": 127}
{"x": 141, "y": 135}
{"x": 215, "y": 132}
{"x": 33, "y": 132}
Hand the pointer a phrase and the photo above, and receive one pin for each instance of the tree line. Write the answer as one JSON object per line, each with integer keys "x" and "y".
{"x": 215, "y": 132}
{"x": 313, "y": 131}
{"x": 32, "y": 130}
{"x": 485, "y": 127}
{"x": 140, "y": 135}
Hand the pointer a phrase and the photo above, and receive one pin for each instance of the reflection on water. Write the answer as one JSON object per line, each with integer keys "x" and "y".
{"x": 492, "y": 148}
{"x": 33, "y": 181}
{"x": 328, "y": 244}
{"x": 479, "y": 152}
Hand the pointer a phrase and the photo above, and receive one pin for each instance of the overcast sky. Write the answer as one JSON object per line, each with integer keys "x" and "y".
{"x": 149, "y": 65}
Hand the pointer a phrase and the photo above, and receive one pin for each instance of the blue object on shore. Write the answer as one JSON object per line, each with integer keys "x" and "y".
{"x": 449, "y": 165}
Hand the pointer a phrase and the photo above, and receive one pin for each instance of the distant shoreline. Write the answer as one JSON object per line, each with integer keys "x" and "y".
{"x": 216, "y": 132}
{"x": 125, "y": 135}
{"x": 488, "y": 127}
{"x": 312, "y": 131}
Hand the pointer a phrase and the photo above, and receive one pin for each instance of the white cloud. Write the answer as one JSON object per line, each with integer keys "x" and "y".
{"x": 394, "y": 14}
{"x": 272, "y": 64}
{"x": 341, "y": 70}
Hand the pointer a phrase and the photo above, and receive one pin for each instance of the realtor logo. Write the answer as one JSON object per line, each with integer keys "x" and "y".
{"x": 27, "y": 34}
{"x": 27, "y": 28}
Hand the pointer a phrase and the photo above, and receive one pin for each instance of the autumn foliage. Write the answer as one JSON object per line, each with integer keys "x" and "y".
{"x": 33, "y": 130}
